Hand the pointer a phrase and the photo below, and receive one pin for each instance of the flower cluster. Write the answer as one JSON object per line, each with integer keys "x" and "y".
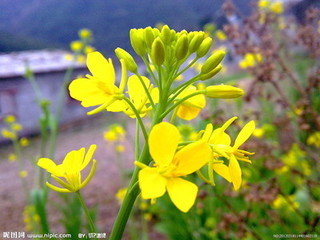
{"x": 81, "y": 47}
{"x": 250, "y": 60}
{"x": 272, "y": 6}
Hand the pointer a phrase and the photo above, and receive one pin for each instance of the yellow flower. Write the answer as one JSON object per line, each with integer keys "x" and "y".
{"x": 100, "y": 88}
{"x": 24, "y": 142}
{"x": 12, "y": 157}
{"x": 221, "y": 35}
{"x": 121, "y": 193}
{"x": 147, "y": 216}
{"x": 23, "y": 174}
{"x": 277, "y": 7}
{"x": 115, "y": 133}
{"x": 120, "y": 148}
{"x": 16, "y": 127}
{"x": 314, "y": 140}
{"x": 263, "y": 3}
{"x": 250, "y": 60}
{"x": 110, "y": 136}
{"x": 85, "y": 33}
{"x": 190, "y": 108}
{"x": 76, "y": 46}
{"x": 70, "y": 169}
{"x": 88, "y": 49}
{"x": 138, "y": 96}
{"x": 281, "y": 202}
{"x": 170, "y": 166}
{"x": 258, "y": 132}
{"x": 220, "y": 143}
{"x": 8, "y": 134}
{"x": 9, "y": 119}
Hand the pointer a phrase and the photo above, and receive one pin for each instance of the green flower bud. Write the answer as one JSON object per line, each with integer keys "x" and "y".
{"x": 166, "y": 34}
{"x": 191, "y": 35}
{"x": 157, "y": 52}
{"x": 204, "y": 47}
{"x": 149, "y": 36}
{"x": 211, "y": 74}
{"x": 196, "y": 41}
{"x": 223, "y": 91}
{"x": 130, "y": 63}
{"x": 213, "y": 61}
{"x": 181, "y": 49}
{"x": 137, "y": 43}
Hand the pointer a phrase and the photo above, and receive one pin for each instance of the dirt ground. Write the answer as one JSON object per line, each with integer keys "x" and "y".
{"x": 100, "y": 191}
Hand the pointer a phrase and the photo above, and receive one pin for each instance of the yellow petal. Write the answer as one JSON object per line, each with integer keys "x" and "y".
{"x": 235, "y": 172}
{"x": 163, "y": 142}
{"x": 182, "y": 193}
{"x": 135, "y": 89}
{"x": 57, "y": 189}
{"x": 222, "y": 170}
{"x": 151, "y": 183}
{"x": 187, "y": 113}
{"x": 191, "y": 158}
{"x": 207, "y": 132}
{"x": 117, "y": 106}
{"x": 228, "y": 123}
{"x": 88, "y": 92}
{"x": 50, "y": 166}
{"x": 101, "y": 67}
{"x": 244, "y": 134}
{"x": 220, "y": 137}
{"x": 73, "y": 161}
{"x": 88, "y": 156}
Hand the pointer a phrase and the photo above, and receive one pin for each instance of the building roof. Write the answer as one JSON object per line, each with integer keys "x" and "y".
{"x": 40, "y": 61}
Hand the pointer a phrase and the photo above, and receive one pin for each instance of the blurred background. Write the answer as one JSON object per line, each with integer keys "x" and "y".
{"x": 38, "y": 43}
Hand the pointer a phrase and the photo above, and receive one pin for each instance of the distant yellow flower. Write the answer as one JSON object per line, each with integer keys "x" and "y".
{"x": 70, "y": 169}
{"x": 147, "y": 216}
{"x": 121, "y": 193}
{"x": 250, "y": 60}
{"x": 115, "y": 133}
{"x": 221, "y": 35}
{"x": 85, "y": 33}
{"x": 24, "y": 142}
{"x": 8, "y": 134}
{"x": 170, "y": 166}
{"x": 263, "y": 3}
{"x": 120, "y": 148}
{"x": 69, "y": 57}
{"x": 16, "y": 127}
{"x": 76, "y": 46}
{"x": 220, "y": 143}
{"x": 258, "y": 132}
{"x": 314, "y": 140}
{"x": 12, "y": 157}
{"x": 281, "y": 202}
{"x": 88, "y": 49}
{"x": 9, "y": 119}
{"x": 277, "y": 7}
{"x": 23, "y": 174}
{"x": 190, "y": 108}
{"x": 100, "y": 88}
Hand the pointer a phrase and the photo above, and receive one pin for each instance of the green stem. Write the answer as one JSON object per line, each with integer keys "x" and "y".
{"x": 145, "y": 89}
{"x": 55, "y": 122}
{"x": 86, "y": 211}
{"x": 144, "y": 131}
{"x": 186, "y": 68}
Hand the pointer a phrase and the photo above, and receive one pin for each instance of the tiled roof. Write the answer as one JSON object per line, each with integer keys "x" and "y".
{"x": 40, "y": 61}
